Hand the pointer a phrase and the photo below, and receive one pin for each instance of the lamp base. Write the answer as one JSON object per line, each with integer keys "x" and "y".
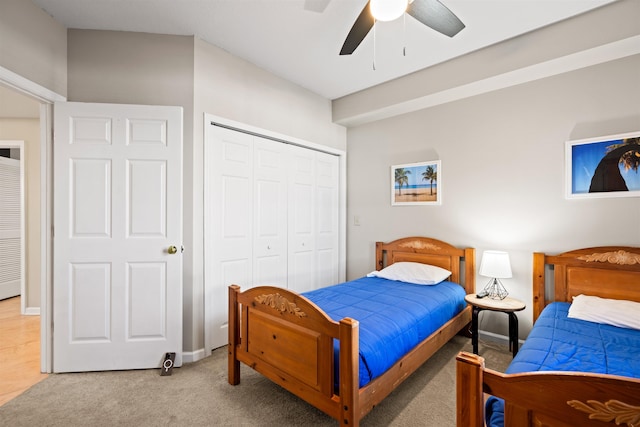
{"x": 495, "y": 290}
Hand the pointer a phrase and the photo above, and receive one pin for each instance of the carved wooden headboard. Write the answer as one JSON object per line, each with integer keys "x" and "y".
{"x": 606, "y": 271}
{"x": 430, "y": 251}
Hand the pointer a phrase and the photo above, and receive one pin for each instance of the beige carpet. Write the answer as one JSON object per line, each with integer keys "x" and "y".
{"x": 198, "y": 395}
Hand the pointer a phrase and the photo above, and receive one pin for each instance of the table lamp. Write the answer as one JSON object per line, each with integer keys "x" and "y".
{"x": 496, "y": 265}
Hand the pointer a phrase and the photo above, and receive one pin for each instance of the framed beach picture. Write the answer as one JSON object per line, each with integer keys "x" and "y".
{"x": 416, "y": 184}
{"x": 603, "y": 167}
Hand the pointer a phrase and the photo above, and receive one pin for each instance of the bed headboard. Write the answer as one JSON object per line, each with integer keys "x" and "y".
{"x": 605, "y": 271}
{"x": 430, "y": 251}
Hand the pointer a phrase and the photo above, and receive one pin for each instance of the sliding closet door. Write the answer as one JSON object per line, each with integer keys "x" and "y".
{"x": 228, "y": 242}
{"x": 302, "y": 219}
{"x": 313, "y": 220}
{"x": 327, "y": 214}
{"x": 271, "y": 218}
{"x": 269, "y": 213}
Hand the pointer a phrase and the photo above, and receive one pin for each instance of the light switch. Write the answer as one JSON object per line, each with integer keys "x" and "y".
{"x": 356, "y": 220}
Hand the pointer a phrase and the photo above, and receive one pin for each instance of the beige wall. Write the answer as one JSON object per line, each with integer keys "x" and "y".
{"x": 138, "y": 68}
{"x": 33, "y": 45}
{"x": 502, "y": 173}
{"x": 28, "y": 130}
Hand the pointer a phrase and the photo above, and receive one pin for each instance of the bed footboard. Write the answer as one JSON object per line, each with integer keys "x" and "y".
{"x": 545, "y": 398}
{"x": 289, "y": 340}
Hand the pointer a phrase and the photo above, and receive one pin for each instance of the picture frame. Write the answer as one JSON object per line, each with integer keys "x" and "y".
{"x": 416, "y": 184}
{"x": 603, "y": 167}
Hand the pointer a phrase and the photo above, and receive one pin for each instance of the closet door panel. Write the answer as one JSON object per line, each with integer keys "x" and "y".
{"x": 302, "y": 219}
{"x": 233, "y": 216}
{"x": 270, "y": 213}
{"x": 235, "y": 229}
{"x": 301, "y": 271}
{"x": 228, "y": 224}
{"x": 235, "y": 271}
{"x": 327, "y": 232}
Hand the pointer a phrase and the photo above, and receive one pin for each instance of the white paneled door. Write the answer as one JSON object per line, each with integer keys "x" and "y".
{"x": 117, "y": 285}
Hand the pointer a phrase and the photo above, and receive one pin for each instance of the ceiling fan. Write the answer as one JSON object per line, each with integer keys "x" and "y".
{"x": 431, "y": 13}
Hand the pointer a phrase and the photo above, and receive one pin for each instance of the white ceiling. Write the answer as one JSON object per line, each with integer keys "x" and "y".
{"x": 293, "y": 41}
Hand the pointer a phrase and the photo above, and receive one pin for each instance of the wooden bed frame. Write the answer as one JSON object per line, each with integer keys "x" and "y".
{"x": 289, "y": 339}
{"x": 557, "y": 398}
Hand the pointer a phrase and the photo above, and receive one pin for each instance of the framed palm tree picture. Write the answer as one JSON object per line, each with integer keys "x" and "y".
{"x": 416, "y": 184}
{"x": 603, "y": 167}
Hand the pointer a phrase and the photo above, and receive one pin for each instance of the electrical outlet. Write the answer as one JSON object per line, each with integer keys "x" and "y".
{"x": 167, "y": 364}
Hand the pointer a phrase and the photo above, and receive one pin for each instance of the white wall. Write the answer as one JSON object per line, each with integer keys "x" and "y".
{"x": 502, "y": 173}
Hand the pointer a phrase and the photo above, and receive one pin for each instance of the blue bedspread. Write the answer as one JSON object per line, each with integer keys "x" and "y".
{"x": 394, "y": 316}
{"x": 557, "y": 343}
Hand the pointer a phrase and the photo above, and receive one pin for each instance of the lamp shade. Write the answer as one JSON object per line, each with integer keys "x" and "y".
{"x": 387, "y": 10}
{"x": 495, "y": 264}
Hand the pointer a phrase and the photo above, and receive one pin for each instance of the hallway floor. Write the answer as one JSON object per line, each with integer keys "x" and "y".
{"x": 19, "y": 350}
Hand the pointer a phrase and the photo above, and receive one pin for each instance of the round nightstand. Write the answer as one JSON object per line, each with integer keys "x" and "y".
{"x": 507, "y": 305}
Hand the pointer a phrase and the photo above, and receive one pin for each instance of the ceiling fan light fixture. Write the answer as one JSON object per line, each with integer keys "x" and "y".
{"x": 387, "y": 10}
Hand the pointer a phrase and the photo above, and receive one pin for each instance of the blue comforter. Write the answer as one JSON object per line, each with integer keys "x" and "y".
{"x": 394, "y": 316}
{"x": 558, "y": 343}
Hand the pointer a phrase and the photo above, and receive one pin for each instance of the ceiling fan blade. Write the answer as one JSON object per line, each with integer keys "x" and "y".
{"x": 358, "y": 32}
{"x": 435, "y": 15}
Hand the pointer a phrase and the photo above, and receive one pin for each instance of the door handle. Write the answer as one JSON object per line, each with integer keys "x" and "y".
{"x": 172, "y": 250}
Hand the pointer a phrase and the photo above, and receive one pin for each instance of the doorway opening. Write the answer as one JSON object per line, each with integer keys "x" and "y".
{"x": 38, "y": 270}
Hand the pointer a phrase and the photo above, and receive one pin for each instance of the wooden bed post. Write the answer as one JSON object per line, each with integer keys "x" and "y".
{"x": 470, "y": 270}
{"x": 234, "y": 335}
{"x": 469, "y": 395}
{"x": 349, "y": 372}
{"x": 379, "y": 256}
{"x": 539, "y": 298}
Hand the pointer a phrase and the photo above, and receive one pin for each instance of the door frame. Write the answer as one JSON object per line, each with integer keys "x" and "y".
{"x": 46, "y": 97}
{"x": 342, "y": 196}
{"x": 17, "y": 144}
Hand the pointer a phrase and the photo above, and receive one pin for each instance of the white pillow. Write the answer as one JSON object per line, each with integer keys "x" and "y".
{"x": 621, "y": 313}
{"x": 413, "y": 272}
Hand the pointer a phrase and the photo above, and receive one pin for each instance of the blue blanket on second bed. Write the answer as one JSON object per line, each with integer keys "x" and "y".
{"x": 394, "y": 316}
{"x": 558, "y": 343}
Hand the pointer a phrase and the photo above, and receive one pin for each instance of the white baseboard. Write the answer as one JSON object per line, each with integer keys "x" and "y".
{"x": 501, "y": 339}
{"x": 193, "y": 356}
{"x": 32, "y": 311}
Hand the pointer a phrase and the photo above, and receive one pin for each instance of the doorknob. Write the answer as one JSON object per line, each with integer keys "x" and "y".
{"x": 172, "y": 250}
